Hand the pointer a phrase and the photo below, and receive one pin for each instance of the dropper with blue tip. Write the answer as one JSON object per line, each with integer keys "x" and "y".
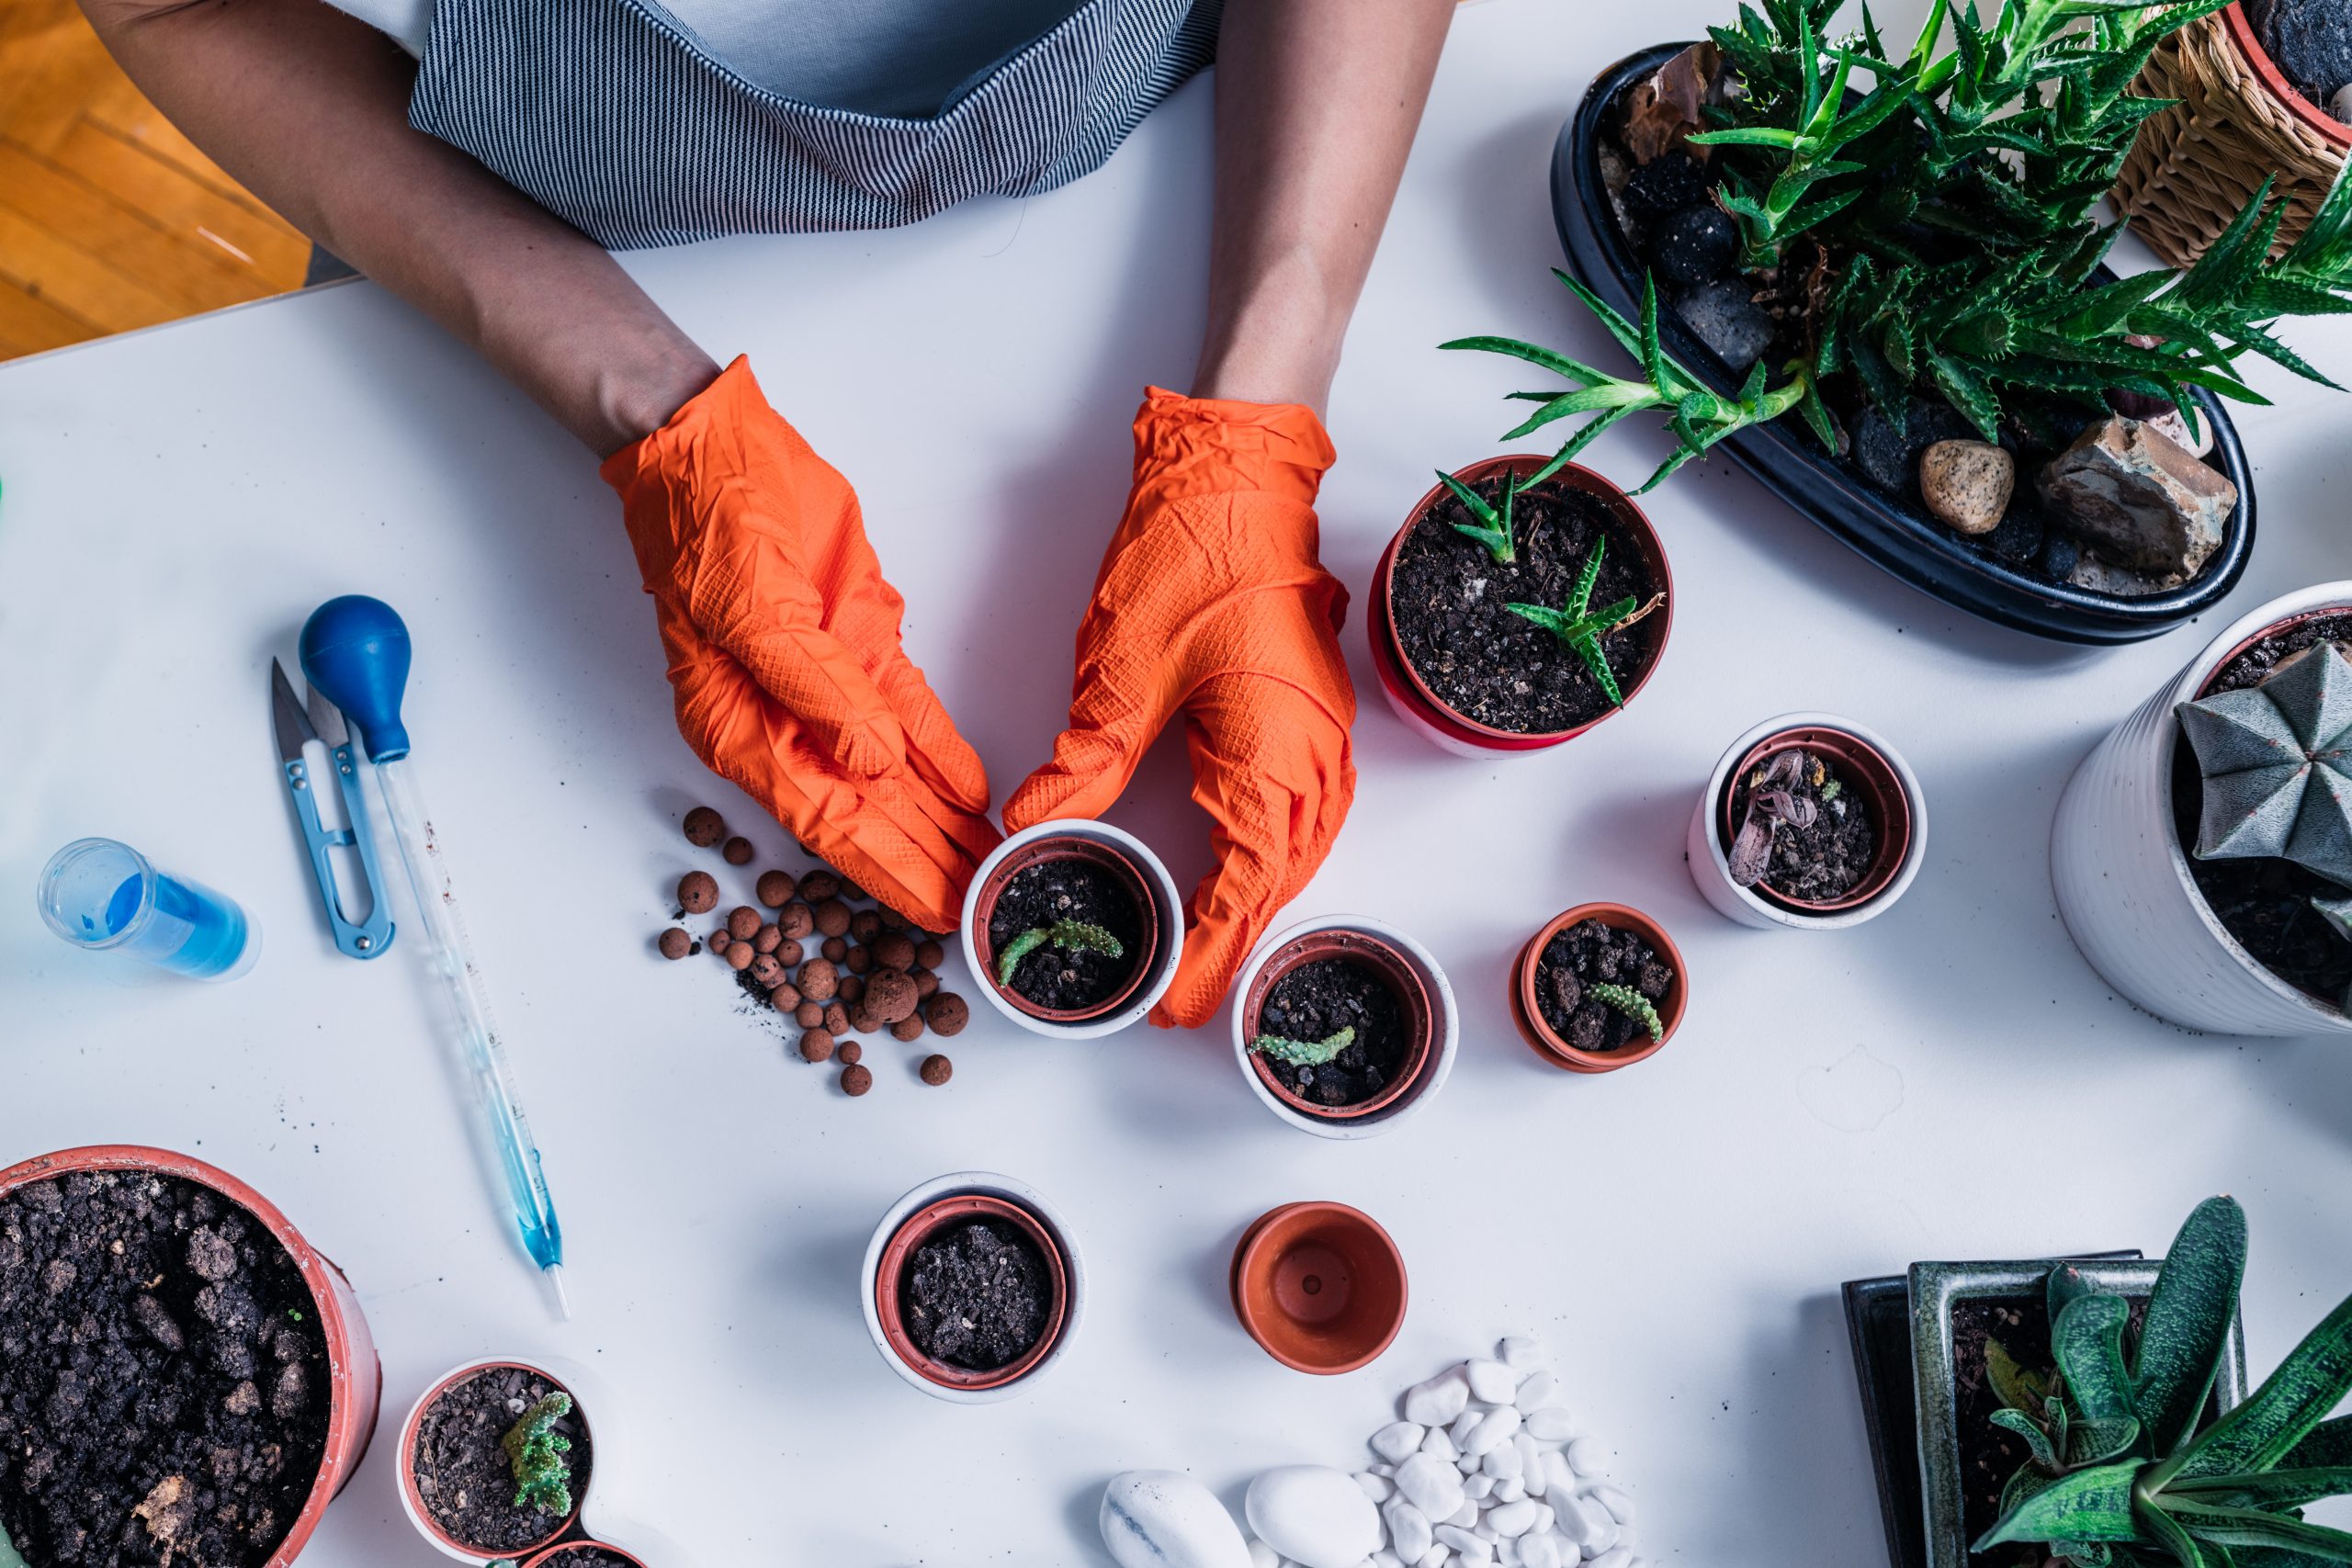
{"x": 356, "y": 650}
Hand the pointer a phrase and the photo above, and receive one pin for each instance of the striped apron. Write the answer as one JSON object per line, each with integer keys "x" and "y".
{"x": 612, "y": 116}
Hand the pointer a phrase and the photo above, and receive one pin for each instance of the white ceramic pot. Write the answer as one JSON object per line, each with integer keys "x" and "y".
{"x": 1167, "y": 901}
{"x": 2124, "y": 882}
{"x": 1444, "y": 1024}
{"x": 1712, "y": 870}
{"x": 994, "y": 1186}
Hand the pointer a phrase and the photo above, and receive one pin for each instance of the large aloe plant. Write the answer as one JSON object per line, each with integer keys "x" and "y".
{"x": 2121, "y": 1476}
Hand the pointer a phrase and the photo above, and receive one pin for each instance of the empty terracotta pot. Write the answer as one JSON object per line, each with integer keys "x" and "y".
{"x": 412, "y": 1497}
{"x": 920, "y": 1227}
{"x": 1537, "y": 1030}
{"x": 1403, "y": 980}
{"x": 571, "y": 1551}
{"x": 1867, "y": 771}
{"x": 1319, "y": 1286}
{"x": 1410, "y": 697}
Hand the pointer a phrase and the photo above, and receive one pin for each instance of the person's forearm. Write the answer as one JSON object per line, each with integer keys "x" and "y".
{"x": 308, "y": 107}
{"x": 1317, "y": 103}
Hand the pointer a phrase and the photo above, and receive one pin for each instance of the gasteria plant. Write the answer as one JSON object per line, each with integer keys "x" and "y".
{"x": 1305, "y": 1053}
{"x": 534, "y": 1452}
{"x": 2121, "y": 1475}
{"x": 1072, "y": 936}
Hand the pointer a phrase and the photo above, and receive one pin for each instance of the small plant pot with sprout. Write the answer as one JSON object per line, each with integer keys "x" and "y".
{"x": 1344, "y": 1026}
{"x": 1809, "y": 822}
{"x": 495, "y": 1462}
{"x": 1525, "y": 601}
{"x": 1073, "y": 928}
{"x": 1601, "y": 987}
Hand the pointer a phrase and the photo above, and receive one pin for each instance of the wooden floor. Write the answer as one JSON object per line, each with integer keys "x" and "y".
{"x": 110, "y": 219}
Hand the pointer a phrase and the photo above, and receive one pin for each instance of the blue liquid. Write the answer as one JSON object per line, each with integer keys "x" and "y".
{"x": 106, "y": 896}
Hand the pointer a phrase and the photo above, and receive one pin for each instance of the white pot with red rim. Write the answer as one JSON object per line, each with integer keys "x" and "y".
{"x": 567, "y": 1532}
{"x": 1159, "y": 906}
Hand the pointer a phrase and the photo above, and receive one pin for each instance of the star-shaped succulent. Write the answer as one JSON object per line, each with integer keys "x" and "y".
{"x": 2277, "y": 761}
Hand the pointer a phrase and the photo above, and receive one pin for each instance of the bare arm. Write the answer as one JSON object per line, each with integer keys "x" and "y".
{"x": 308, "y": 107}
{"x": 1317, "y": 103}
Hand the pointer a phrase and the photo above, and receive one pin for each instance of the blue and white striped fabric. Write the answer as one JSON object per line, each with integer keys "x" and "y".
{"x": 615, "y": 117}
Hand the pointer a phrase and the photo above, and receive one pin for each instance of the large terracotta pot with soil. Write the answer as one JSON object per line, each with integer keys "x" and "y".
{"x": 1320, "y": 1287}
{"x": 972, "y": 1288}
{"x": 1073, "y": 929}
{"x": 1344, "y": 1026}
{"x": 1601, "y": 987}
{"x": 2231, "y": 946}
{"x": 215, "y": 1329}
{"x": 1464, "y": 669}
{"x": 1809, "y": 822}
{"x": 459, "y": 1481}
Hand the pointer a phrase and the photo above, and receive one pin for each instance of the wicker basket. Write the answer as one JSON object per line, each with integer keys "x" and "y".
{"x": 2239, "y": 121}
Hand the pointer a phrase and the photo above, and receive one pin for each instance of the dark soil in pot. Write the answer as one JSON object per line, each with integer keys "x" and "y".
{"x": 1488, "y": 664}
{"x": 591, "y": 1557}
{"x": 463, "y": 1475}
{"x": 1589, "y": 953}
{"x": 1317, "y": 1000}
{"x": 2266, "y": 903}
{"x": 1826, "y": 859}
{"x": 1068, "y": 888}
{"x": 164, "y": 1388}
{"x": 978, "y": 1296}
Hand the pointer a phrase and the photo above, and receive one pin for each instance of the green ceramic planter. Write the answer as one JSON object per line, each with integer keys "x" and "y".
{"x": 1935, "y": 1290}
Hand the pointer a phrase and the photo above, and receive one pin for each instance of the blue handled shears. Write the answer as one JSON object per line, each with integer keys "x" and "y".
{"x": 371, "y": 932}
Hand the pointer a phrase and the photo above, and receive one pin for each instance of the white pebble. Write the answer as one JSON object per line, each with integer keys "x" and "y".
{"x": 1264, "y": 1556}
{"x": 1476, "y": 1488}
{"x": 1158, "y": 1518}
{"x": 1550, "y": 1425}
{"x": 1537, "y": 1392}
{"x": 1454, "y": 1538}
{"x": 1619, "y": 1507}
{"x": 1618, "y": 1557}
{"x": 1503, "y": 1462}
{"x": 1538, "y": 1551}
{"x": 1385, "y": 1471}
{"x": 1430, "y": 1485}
{"x": 1384, "y": 1558}
{"x": 1465, "y": 1424}
{"x": 1512, "y": 1519}
{"x": 1396, "y": 1440}
{"x": 1440, "y": 1400}
{"x": 1557, "y": 1476}
{"x": 1491, "y": 1381}
{"x": 1313, "y": 1515}
{"x": 1379, "y": 1488}
{"x": 1604, "y": 1531}
{"x": 1408, "y": 1529}
{"x": 1496, "y": 1429}
{"x": 1510, "y": 1490}
{"x": 1521, "y": 1352}
{"x": 1435, "y": 1557}
{"x": 1588, "y": 1458}
{"x": 1507, "y": 1554}
{"x": 1545, "y": 1517}
{"x": 1580, "y": 1522}
{"x": 1466, "y": 1516}
{"x": 1438, "y": 1445}
{"x": 1530, "y": 1463}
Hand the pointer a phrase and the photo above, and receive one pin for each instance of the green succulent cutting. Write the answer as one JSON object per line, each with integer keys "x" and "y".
{"x": 535, "y": 1450}
{"x": 1630, "y": 1002}
{"x": 1305, "y": 1053}
{"x": 1074, "y": 936}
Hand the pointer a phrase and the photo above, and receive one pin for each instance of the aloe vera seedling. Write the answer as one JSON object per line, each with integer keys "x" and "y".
{"x": 1305, "y": 1053}
{"x": 2120, "y": 1476}
{"x": 1488, "y": 526}
{"x": 1071, "y": 936}
{"x": 1630, "y": 1002}
{"x": 535, "y": 1450}
{"x": 2277, "y": 762}
{"x": 1582, "y": 627}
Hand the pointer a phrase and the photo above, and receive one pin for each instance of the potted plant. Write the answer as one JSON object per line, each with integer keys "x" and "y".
{"x": 1320, "y": 1287}
{"x": 2230, "y": 937}
{"x": 495, "y": 1460}
{"x": 1522, "y": 603}
{"x": 1809, "y": 822}
{"x": 586, "y": 1555}
{"x": 1073, "y": 929}
{"x": 1601, "y": 987}
{"x": 1344, "y": 1025}
{"x": 1918, "y": 267}
{"x": 972, "y": 1287}
{"x": 219, "y": 1330}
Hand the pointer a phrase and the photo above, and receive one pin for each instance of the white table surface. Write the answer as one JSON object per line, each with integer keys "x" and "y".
{"x": 1951, "y": 1081}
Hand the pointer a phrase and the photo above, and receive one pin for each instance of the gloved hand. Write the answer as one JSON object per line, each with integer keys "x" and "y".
{"x": 784, "y": 659}
{"x": 1211, "y": 602}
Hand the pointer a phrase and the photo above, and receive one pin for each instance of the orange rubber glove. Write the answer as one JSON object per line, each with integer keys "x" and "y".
{"x": 1211, "y": 602}
{"x": 784, "y": 650}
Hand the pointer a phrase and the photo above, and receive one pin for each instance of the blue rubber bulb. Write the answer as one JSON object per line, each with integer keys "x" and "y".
{"x": 356, "y": 652}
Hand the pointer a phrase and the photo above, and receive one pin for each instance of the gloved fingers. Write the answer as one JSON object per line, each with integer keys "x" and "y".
{"x": 935, "y": 750}
{"x": 1117, "y": 712}
{"x": 1273, "y": 766}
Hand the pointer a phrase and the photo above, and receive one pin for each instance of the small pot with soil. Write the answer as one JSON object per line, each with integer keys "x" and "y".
{"x": 1073, "y": 929}
{"x": 1490, "y": 657}
{"x": 2233, "y": 946}
{"x": 972, "y": 1288}
{"x": 586, "y": 1555}
{"x": 495, "y": 1462}
{"x": 1600, "y": 988}
{"x": 1344, "y": 1026}
{"x": 1809, "y": 822}
{"x": 240, "y": 1382}
{"x": 1320, "y": 1287}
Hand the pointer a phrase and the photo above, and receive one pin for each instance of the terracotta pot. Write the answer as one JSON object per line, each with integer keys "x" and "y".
{"x": 1320, "y": 1287}
{"x": 356, "y": 1376}
{"x": 412, "y": 1498}
{"x": 1159, "y": 909}
{"x": 1403, "y": 980}
{"x": 1537, "y": 1030}
{"x": 2329, "y": 129}
{"x": 927, "y": 1223}
{"x": 1866, "y": 771}
{"x": 1410, "y": 697}
{"x": 569, "y": 1552}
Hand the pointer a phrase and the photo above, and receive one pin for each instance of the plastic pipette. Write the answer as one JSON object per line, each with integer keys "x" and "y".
{"x": 356, "y": 652}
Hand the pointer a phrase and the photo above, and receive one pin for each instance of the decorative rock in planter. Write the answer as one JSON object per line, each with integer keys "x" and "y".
{"x": 1158, "y": 1518}
{"x": 1726, "y": 317}
{"x": 1967, "y": 483}
{"x": 2139, "y": 498}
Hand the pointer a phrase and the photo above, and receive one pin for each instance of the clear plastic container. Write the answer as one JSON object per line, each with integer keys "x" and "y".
{"x": 105, "y": 896}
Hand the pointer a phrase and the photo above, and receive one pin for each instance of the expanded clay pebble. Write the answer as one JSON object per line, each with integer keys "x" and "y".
{"x": 947, "y": 1013}
{"x": 783, "y": 998}
{"x": 808, "y": 1014}
{"x": 834, "y": 949}
{"x": 890, "y": 995}
{"x": 930, "y": 954}
{"x": 925, "y": 982}
{"x": 831, "y": 915}
{"x": 851, "y": 1054}
{"x": 836, "y": 1018}
{"x": 863, "y": 1020}
{"x": 675, "y": 943}
{"x": 859, "y": 959}
{"x": 851, "y": 991}
{"x": 815, "y": 1045}
{"x": 737, "y": 851}
{"x": 768, "y": 939}
{"x": 697, "y": 892}
{"x": 743, "y": 922}
{"x": 819, "y": 884}
{"x": 908, "y": 1030}
{"x": 740, "y": 955}
{"x": 766, "y": 970}
{"x": 775, "y": 888}
{"x": 856, "y": 1080}
{"x": 850, "y": 890}
{"x": 788, "y": 953}
{"x": 796, "y": 920}
{"x": 937, "y": 1070}
{"x": 864, "y": 925}
{"x": 820, "y": 980}
{"x": 892, "y": 950}
{"x": 705, "y": 827}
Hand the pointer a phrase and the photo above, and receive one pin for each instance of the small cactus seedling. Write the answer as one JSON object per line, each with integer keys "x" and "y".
{"x": 534, "y": 1449}
{"x": 1305, "y": 1052}
{"x": 1071, "y": 936}
{"x": 1488, "y": 526}
{"x": 2277, "y": 762}
{"x": 1772, "y": 800}
{"x": 1582, "y": 627}
{"x": 1630, "y": 1002}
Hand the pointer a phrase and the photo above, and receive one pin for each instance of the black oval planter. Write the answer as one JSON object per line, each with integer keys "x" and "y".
{"x": 1886, "y": 529}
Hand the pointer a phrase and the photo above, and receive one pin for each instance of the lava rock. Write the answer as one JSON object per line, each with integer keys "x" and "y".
{"x": 1665, "y": 185}
{"x": 1889, "y": 458}
{"x": 2060, "y": 556}
{"x": 2138, "y": 498}
{"x": 2017, "y": 537}
{"x": 1695, "y": 245}
{"x": 1967, "y": 484}
{"x": 2311, "y": 40}
{"x": 1727, "y": 320}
